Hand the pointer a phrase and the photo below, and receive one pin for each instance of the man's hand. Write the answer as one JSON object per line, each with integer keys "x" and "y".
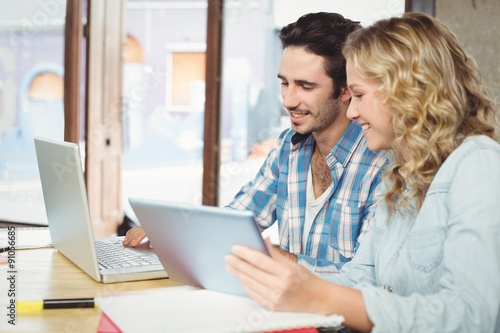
{"x": 134, "y": 237}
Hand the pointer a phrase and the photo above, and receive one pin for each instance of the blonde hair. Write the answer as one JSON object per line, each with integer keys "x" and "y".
{"x": 434, "y": 90}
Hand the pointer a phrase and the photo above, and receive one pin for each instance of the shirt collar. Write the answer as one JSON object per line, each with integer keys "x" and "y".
{"x": 343, "y": 150}
{"x": 347, "y": 143}
{"x": 297, "y": 137}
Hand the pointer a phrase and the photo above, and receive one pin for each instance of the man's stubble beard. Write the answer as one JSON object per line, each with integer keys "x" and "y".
{"x": 323, "y": 118}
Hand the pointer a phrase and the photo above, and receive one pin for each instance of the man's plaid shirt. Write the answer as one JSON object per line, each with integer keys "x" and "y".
{"x": 278, "y": 193}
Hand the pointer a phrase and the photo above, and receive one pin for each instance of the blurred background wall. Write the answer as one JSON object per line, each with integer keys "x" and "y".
{"x": 477, "y": 24}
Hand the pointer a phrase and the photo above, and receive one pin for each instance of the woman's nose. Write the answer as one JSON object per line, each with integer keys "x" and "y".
{"x": 352, "y": 111}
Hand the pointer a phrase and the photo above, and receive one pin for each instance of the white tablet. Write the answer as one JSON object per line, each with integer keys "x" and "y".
{"x": 192, "y": 241}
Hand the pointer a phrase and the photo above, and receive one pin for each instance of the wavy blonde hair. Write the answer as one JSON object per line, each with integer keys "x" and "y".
{"x": 434, "y": 90}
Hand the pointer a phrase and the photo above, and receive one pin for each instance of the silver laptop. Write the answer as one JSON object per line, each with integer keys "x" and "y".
{"x": 192, "y": 241}
{"x": 68, "y": 216}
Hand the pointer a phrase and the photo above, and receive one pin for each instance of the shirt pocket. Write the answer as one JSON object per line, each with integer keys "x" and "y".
{"x": 425, "y": 248}
{"x": 345, "y": 229}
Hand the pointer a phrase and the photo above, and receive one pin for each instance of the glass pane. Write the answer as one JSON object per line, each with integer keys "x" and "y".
{"x": 164, "y": 95}
{"x": 31, "y": 100}
{"x": 164, "y": 92}
{"x": 252, "y": 115}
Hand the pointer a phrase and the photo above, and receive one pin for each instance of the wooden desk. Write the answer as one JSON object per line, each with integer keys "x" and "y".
{"x": 45, "y": 273}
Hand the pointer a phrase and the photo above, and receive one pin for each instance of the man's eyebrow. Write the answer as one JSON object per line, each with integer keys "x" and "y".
{"x": 299, "y": 82}
{"x": 305, "y": 83}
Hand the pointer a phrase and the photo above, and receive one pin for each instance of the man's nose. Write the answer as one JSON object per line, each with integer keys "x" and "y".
{"x": 290, "y": 98}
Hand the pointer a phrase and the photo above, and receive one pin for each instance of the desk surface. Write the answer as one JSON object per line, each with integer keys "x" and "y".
{"x": 44, "y": 274}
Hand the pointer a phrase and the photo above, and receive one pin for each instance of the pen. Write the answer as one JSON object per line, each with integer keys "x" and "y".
{"x": 46, "y": 304}
{"x": 5, "y": 249}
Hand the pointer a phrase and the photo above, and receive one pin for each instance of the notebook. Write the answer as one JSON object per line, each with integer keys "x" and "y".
{"x": 70, "y": 226}
{"x": 26, "y": 237}
{"x": 193, "y": 240}
{"x": 190, "y": 310}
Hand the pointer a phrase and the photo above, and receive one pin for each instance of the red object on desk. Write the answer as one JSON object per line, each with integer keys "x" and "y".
{"x": 297, "y": 330}
{"x": 107, "y": 326}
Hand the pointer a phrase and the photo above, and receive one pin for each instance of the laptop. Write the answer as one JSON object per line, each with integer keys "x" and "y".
{"x": 70, "y": 226}
{"x": 192, "y": 241}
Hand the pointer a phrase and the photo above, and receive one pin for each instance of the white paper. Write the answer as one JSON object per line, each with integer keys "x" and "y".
{"x": 26, "y": 238}
{"x": 188, "y": 309}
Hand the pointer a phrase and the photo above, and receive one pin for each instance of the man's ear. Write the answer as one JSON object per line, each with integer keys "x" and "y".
{"x": 345, "y": 95}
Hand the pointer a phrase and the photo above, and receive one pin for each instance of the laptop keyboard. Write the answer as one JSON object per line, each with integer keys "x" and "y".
{"x": 115, "y": 255}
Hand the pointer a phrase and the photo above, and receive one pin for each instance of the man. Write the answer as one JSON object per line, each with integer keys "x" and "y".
{"x": 319, "y": 181}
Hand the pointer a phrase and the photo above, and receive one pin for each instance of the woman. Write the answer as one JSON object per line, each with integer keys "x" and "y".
{"x": 431, "y": 260}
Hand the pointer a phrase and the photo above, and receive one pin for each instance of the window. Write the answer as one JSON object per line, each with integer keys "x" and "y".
{"x": 31, "y": 101}
{"x": 164, "y": 93}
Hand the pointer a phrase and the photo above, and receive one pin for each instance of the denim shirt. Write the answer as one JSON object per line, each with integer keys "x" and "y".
{"x": 437, "y": 270}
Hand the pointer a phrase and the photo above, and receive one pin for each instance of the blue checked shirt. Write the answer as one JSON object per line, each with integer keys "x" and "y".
{"x": 278, "y": 193}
